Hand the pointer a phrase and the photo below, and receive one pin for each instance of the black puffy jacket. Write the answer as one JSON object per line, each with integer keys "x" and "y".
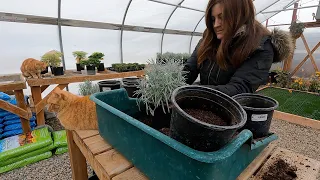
{"x": 253, "y": 72}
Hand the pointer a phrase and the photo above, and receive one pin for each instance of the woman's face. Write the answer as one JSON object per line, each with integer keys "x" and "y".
{"x": 217, "y": 22}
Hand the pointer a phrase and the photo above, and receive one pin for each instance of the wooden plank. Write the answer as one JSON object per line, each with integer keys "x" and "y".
{"x": 77, "y": 160}
{"x": 44, "y": 87}
{"x": 25, "y": 123}
{"x": 307, "y": 168}
{"x": 309, "y": 53}
{"x": 132, "y": 173}
{"x": 304, "y": 60}
{"x": 15, "y": 109}
{"x": 113, "y": 162}
{"x": 40, "y": 105}
{"x": 10, "y": 82}
{"x": 96, "y": 144}
{"x": 81, "y": 78}
{"x": 36, "y": 95}
{"x": 98, "y": 169}
{"x": 256, "y": 163}
{"x": 83, "y": 134}
{"x": 303, "y": 121}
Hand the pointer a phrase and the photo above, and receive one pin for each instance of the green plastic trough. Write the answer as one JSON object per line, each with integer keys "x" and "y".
{"x": 160, "y": 157}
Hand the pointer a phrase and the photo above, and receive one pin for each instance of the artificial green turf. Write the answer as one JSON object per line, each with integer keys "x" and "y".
{"x": 298, "y": 103}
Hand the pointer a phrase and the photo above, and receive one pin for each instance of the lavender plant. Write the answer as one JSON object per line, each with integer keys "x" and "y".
{"x": 161, "y": 79}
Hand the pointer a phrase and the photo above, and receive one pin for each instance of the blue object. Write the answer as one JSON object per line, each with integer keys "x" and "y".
{"x": 17, "y": 126}
{"x": 14, "y": 121}
{"x": 1, "y": 130}
{"x": 11, "y": 116}
{"x": 4, "y": 96}
{"x": 160, "y": 157}
{"x": 1, "y": 120}
{"x": 1, "y": 125}
{"x": 13, "y": 133}
{"x": 4, "y": 113}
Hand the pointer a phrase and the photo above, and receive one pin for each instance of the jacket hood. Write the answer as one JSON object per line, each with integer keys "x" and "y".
{"x": 282, "y": 43}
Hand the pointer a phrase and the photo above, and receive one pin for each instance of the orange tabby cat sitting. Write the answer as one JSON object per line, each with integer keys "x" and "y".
{"x": 31, "y": 68}
{"x": 74, "y": 112}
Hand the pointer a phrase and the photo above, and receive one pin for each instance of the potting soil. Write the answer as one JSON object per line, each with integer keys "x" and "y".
{"x": 206, "y": 116}
{"x": 61, "y": 150}
{"x": 280, "y": 170}
{"x": 60, "y": 138}
{"x": 24, "y": 143}
{"x": 25, "y": 162}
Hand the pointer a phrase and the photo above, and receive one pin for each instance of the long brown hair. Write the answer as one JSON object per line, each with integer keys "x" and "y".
{"x": 236, "y": 14}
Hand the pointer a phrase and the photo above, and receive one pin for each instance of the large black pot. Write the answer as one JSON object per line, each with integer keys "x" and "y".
{"x": 57, "y": 71}
{"x": 197, "y": 134}
{"x": 130, "y": 80}
{"x": 259, "y": 110}
{"x": 109, "y": 85}
{"x": 91, "y": 70}
{"x": 131, "y": 87}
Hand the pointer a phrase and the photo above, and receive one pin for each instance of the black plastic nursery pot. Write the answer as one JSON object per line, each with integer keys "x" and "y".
{"x": 109, "y": 85}
{"x": 91, "y": 70}
{"x": 57, "y": 71}
{"x": 101, "y": 67}
{"x": 79, "y": 67}
{"x": 131, "y": 87}
{"x": 45, "y": 71}
{"x": 130, "y": 80}
{"x": 259, "y": 110}
{"x": 197, "y": 134}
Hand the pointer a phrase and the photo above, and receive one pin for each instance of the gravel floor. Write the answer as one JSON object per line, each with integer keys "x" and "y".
{"x": 293, "y": 137}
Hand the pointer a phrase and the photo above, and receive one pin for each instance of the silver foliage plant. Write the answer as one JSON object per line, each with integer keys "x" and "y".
{"x": 88, "y": 88}
{"x": 161, "y": 79}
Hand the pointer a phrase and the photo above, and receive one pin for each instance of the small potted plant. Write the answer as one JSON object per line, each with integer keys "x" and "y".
{"x": 79, "y": 55}
{"x": 53, "y": 59}
{"x": 99, "y": 56}
{"x": 91, "y": 64}
{"x": 88, "y": 88}
{"x": 154, "y": 90}
{"x": 296, "y": 29}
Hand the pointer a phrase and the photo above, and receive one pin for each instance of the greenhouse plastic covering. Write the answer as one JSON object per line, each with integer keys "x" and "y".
{"x": 124, "y": 30}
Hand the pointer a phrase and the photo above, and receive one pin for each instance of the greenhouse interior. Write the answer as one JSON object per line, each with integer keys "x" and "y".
{"x": 160, "y": 89}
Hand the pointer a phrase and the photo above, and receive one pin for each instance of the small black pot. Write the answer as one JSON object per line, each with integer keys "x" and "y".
{"x": 79, "y": 67}
{"x": 45, "y": 71}
{"x": 91, "y": 70}
{"x": 58, "y": 71}
{"x": 199, "y": 135}
{"x": 101, "y": 67}
{"x": 259, "y": 110}
{"x": 109, "y": 85}
{"x": 131, "y": 87}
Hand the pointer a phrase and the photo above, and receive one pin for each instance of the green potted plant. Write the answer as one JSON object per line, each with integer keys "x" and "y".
{"x": 91, "y": 64}
{"x": 99, "y": 56}
{"x": 154, "y": 90}
{"x": 53, "y": 59}
{"x": 79, "y": 55}
{"x": 88, "y": 88}
{"x": 296, "y": 29}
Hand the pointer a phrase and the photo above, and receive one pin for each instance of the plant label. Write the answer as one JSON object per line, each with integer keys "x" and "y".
{"x": 259, "y": 117}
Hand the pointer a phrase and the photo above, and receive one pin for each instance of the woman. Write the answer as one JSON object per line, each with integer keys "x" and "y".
{"x": 236, "y": 51}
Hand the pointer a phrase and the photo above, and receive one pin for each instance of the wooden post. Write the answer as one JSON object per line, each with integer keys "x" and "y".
{"x": 309, "y": 53}
{"x": 77, "y": 160}
{"x": 25, "y": 123}
{"x": 36, "y": 95}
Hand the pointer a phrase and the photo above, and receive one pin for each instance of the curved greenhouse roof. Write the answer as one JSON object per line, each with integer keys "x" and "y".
{"x": 124, "y": 30}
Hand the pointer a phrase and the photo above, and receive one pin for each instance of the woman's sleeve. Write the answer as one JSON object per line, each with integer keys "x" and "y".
{"x": 191, "y": 67}
{"x": 251, "y": 74}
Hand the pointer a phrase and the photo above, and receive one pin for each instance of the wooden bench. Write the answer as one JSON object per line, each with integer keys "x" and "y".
{"x": 106, "y": 161}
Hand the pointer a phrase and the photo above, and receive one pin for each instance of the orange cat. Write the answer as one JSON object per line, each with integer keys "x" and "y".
{"x": 31, "y": 68}
{"x": 74, "y": 112}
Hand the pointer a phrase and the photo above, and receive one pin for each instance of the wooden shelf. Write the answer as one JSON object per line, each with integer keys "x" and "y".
{"x": 12, "y": 82}
{"x": 72, "y": 77}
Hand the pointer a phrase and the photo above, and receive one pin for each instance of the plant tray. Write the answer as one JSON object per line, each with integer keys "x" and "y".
{"x": 160, "y": 157}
